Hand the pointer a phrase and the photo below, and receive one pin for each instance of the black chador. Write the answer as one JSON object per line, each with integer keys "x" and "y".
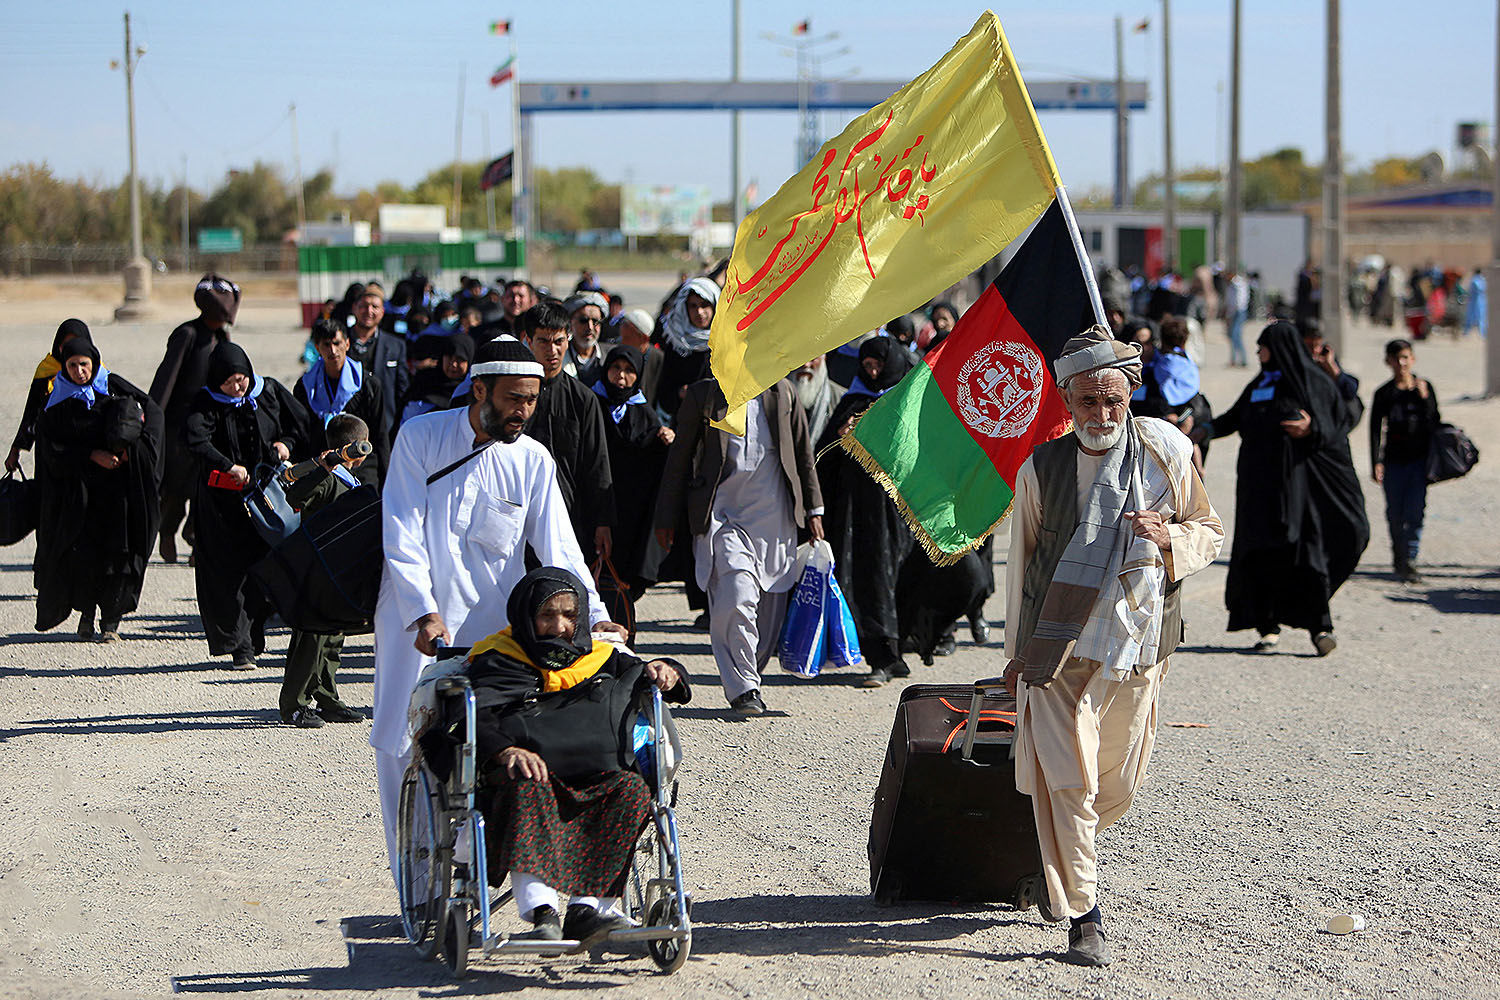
{"x": 99, "y": 447}
{"x": 224, "y": 430}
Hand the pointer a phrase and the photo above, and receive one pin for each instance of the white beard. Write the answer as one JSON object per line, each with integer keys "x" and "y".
{"x": 810, "y": 389}
{"x": 1100, "y": 442}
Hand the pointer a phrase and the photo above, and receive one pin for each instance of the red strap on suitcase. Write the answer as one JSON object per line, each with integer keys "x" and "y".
{"x": 985, "y": 715}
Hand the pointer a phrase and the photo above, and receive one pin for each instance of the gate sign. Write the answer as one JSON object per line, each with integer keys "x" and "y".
{"x": 673, "y": 209}
{"x": 220, "y": 241}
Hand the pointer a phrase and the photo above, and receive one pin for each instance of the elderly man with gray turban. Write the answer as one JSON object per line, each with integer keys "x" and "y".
{"x": 1107, "y": 522}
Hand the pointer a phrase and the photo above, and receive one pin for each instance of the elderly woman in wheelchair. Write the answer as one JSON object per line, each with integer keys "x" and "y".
{"x": 555, "y": 720}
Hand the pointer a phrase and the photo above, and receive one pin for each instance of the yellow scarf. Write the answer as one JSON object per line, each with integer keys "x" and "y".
{"x": 49, "y": 367}
{"x": 586, "y": 666}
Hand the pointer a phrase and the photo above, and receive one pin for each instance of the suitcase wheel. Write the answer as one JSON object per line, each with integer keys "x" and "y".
{"x": 1028, "y": 892}
{"x": 890, "y": 889}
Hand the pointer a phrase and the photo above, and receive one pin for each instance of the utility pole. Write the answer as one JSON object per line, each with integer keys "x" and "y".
{"x": 1122, "y": 120}
{"x": 184, "y": 215}
{"x": 458, "y": 153}
{"x": 137, "y": 269}
{"x": 737, "y": 206}
{"x": 297, "y": 169}
{"x": 1232, "y": 186}
{"x": 1169, "y": 178}
{"x": 1492, "y": 283}
{"x": 489, "y": 194}
{"x": 1332, "y": 306}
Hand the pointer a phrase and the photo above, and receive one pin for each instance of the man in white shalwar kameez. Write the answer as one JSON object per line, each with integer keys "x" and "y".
{"x": 745, "y": 498}
{"x": 455, "y": 547}
{"x": 1106, "y": 523}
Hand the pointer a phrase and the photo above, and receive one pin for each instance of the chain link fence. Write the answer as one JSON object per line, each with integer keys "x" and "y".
{"x": 25, "y": 260}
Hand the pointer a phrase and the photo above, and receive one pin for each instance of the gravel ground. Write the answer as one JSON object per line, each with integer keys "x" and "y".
{"x": 161, "y": 832}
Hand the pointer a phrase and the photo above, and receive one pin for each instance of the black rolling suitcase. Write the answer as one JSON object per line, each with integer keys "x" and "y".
{"x": 948, "y": 823}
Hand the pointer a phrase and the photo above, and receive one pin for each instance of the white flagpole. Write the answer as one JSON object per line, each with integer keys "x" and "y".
{"x": 1084, "y": 261}
{"x": 517, "y": 208}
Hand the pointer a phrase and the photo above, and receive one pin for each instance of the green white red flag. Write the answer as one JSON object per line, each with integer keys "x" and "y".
{"x": 948, "y": 441}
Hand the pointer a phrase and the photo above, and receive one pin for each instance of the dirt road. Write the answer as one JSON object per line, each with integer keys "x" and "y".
{"x": 160, "y": 831}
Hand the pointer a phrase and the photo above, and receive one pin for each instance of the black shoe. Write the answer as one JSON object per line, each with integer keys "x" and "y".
{"x": 168, "y": 548}
{"x": 109, "y": 631}
{"x": 544, "y": 926}
{"x": 979, "y": 629}
{"x": 340, "y": 713}
{"x": 749, "y": 703}
{"x": 588, "y": 926}
{"x": 305, "y": 718}
{"x": 1325, "y": 643}
{"x": 86, "y": 626}
{"x": 946, "y": 646}
{"x": 899, "y": 669}
{"x": 701, "y": 622}
{"x": 1088, "y": 945}
{"x": 878, "y": 677}
{"x": 242, "y": 661}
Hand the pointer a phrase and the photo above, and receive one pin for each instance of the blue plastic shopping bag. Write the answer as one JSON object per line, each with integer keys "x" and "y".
{"x": 842, "y": 642}
{"x": 803, "y": 645}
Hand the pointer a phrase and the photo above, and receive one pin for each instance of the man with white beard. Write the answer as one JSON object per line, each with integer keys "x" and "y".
{"x": 1107, "y": 523}
{"x": 817, "y": 394}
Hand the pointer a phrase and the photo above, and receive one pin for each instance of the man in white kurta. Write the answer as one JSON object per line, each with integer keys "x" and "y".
{"x": 1084, "y": 736}
{"x": 456, "y": 547}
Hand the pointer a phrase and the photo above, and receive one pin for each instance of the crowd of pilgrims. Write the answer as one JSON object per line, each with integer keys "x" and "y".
{"x": 625, "y": 405}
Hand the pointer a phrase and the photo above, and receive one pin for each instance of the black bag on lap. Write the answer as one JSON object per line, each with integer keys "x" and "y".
{"x": 18, "y": 508}
{"x": 1451, "y": 455}
{"x": 325, "y": 576}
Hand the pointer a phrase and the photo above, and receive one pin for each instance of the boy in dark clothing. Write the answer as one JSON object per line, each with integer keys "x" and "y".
{"x": 312, "y": 658}
{"x": 1403, "y": 417}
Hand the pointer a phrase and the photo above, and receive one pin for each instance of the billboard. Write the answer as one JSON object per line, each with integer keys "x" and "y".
{"x": 674, "y": 209}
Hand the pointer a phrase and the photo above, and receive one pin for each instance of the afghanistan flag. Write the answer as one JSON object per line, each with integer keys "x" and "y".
{"x": 912, "y": 196}
{"x": 497, "y": 172}
{"x": 947, "y": 442}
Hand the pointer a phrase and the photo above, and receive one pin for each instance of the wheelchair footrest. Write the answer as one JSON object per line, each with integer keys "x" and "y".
{"x": 506, "y": 946}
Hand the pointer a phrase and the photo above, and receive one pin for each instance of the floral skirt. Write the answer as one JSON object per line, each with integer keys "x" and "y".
{"x": 575, "y": 837}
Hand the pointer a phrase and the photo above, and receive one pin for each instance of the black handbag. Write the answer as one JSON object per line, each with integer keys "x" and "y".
{"x": 325, "y": 576}
{"x": 1450, "y": 455}
{"x": 18, "y": 507}
{"x": 585, "y": 729}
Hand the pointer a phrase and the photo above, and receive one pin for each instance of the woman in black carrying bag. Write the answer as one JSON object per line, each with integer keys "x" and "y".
{"x": 237, "y": 422}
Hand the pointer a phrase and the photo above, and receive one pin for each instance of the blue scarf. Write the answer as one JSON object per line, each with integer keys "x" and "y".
{"x": 858, "y": 388}
{"x": 238, "y": 401}
{"x": 329, "y": 403}
{"x": 462, "y": 389}
{"x": 64, "y": 388}
{"x": 617, "y": 413}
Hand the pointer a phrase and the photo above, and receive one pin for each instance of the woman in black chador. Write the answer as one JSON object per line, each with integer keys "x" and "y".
{"x": 1299, "y": 522}
{"x": 237, "y": 421}
{"x": 563, "y": 803}
{"x": 98, "y": 461}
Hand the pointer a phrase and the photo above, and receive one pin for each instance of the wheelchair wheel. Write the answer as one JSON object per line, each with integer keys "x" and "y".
{"x": 423, "y": 872}
{"x": 456, "y": 940}
{"x": 668, "y": 955}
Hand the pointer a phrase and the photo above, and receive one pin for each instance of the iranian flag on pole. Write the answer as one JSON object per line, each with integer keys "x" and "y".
{"x": 947, "y": 442}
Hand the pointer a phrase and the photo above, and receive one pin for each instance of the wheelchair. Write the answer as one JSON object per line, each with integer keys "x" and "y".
{"x": 442, "y": 876}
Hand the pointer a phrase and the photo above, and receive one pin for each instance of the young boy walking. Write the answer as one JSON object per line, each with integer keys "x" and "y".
{"x": 312, "y": 658}
{"x": 1403, "y": 418}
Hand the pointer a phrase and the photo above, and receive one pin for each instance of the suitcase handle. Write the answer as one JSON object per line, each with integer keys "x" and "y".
{"x": 977, "y": 714}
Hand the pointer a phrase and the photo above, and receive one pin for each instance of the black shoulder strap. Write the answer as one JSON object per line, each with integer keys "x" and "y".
{"x": 439, "y": 474}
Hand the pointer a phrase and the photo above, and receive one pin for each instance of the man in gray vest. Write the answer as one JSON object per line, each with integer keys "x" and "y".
{"x": 1107, "y": 522}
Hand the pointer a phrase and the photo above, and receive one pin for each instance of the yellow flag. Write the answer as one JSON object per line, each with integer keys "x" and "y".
{"x": 912, "y": 196}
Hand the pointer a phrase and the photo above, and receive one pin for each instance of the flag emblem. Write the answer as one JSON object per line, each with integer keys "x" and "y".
{"x": 1000, "y": 389}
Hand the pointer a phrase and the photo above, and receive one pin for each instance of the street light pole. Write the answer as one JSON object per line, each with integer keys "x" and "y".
{"x": 1122, "y": 121}
{"x": 137, "y": 269}
{"x": 1492, "y": 283}
{"x": 1332, "y": 308}
{"x": 1169, "y": 180}
{"x": 1232, "y": 185}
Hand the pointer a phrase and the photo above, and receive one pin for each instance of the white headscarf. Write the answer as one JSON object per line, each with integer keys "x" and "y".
{"x": 684, "y": 337}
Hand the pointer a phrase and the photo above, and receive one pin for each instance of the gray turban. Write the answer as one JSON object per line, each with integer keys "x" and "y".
{"x": 1093, "y": 350}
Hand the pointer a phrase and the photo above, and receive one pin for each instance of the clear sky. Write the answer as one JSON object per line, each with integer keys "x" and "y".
{"x": 376, "y": 83}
